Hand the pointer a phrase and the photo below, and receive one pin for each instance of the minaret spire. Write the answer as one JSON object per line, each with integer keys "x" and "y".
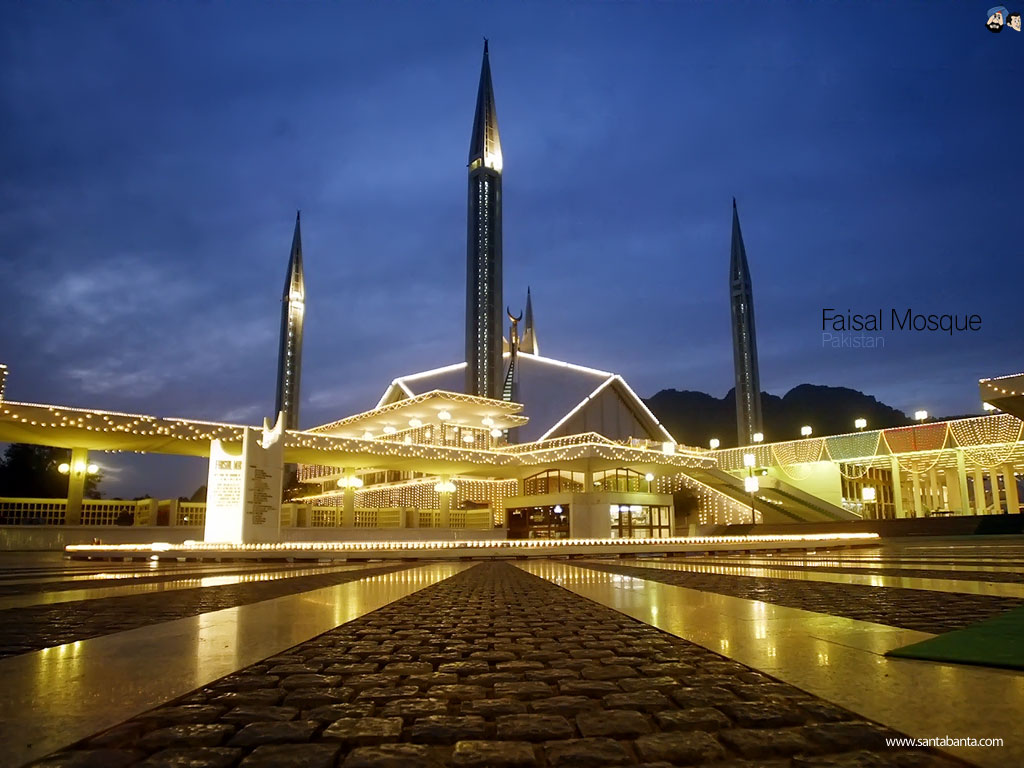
{"x": 289, "y": 358}
{"x": 744, "y": 339}
{"x": 483, "y": 248}
{"x": 529, "y": 342}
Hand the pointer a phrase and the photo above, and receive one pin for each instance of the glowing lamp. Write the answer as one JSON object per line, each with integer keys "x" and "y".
{"x": 860, "y": 423}
{"x": 749, "y": 460}
{"x": 389, "y": 430}
{"x": 64, "y": 468}
{"x": 714, "y": 443}
{"x": 750, "y": 484}
{"x": 496, "y": 432}
{"x": 867, "y": 493}
{"x": 487, "y": 421}
{"x": 649, "y": 476}
{"x": 444, "y": 415}
{"x": 92, "y": 469}
{"x": 758, "y": 437}
{"x": 805, "y": 430}
{"x": 920, "y": 415}
{"x": 414, "y": 423}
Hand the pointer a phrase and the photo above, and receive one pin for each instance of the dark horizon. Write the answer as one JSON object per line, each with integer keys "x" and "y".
{"x": 156, "y": 155}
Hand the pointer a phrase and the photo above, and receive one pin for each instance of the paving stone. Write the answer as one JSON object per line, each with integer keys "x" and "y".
{"x": 191, "y": 735}
{"x": 294, "y": 669}
{"x": 492, "y": 708}
{"x": 257, "y": 713}
{"x": 518, "y": 666}
{"x": 393, "y": 756}
{"x": 203, "y": 757}
{"x": 490, "y": 678}
{"x": 663, "y": 684}
{"x": 268, "y": 696}
{"x": 707, "y": 696}
{"x": 89, "y": 758}
{"x": 308, "y": 698}
{"x": 752, "y": 714}
{"x": 385, "y": 694}
{"x": 617, "y": 725}
{"x": 457, "y": 692}
{"x": 364, "y": 731}
{"x": 493, "y": 656}
{"x": 181, "y": 715}
{"x": 447, "y": 729}
{"x": 861, "y": 760}
{"x": 607, "y": 672}
{"x": 328, "y": 713}
{"x": 584, "y": 753}
{"x": 410, "y": 709}
{"x": 493, "y": 754}
{"x": 534, "y": 727}
{"x": 408, "y": 668}
{"x": 258, "y": 734}
{"x": 247, "y": 682}
{"x": 644, "y": 701}
{"x": 551, "y": 675}
{"x": 293, "y": 682}
{"x": 292, "y": 756}
{"x": 123, "y": 735}
{"x": 696, "y": 719}
{"x": 588, "y": 687}
{"x": 567, "y": 706}
{"x": 685, "y": 748}
{"x": 463, "y": 668}
{"x": 522, "y": 690}
{"x": 847, "y": 736}
{"x": 765, "y": 742}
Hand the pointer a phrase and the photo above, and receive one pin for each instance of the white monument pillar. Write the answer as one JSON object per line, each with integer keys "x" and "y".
{"x": 897, "y": 488}
{"x": 980, "y": 505}
{"x": 243, "y": 493}
{"x": 1010, "y": 482}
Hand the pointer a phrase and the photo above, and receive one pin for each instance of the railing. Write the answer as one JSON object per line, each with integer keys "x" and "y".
{"x": 27, "y": 511}
{"x": 110, "y": 512}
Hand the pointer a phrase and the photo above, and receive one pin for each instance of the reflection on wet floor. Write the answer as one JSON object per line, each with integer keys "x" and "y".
{"x": 191, "y": 582}
{"x": 869, "y": 580}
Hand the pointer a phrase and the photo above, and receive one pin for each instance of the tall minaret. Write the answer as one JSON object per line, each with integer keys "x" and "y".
{"x": 529, "y": 342}
{"x": 289, "y": 357}
{"x": 744, "y": 340}
{"x": 483, "y": 251}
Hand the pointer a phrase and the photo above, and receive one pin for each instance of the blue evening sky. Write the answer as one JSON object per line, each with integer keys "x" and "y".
{"x": 152, "y": 156}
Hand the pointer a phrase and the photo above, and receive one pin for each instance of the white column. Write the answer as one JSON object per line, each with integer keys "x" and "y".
{"x": 77, "y": 472}
{"x": 348, "y": 508}
{"x": 897, "y": 487}
{"x": 918, "y": 512}
{"x": 993, "y": 482}
{"x": 1010, "y": 482}
{"x": 446, "y": 505}
{"x": 980, "y": 505}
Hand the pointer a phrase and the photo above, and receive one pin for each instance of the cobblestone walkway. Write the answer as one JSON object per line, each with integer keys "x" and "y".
{"x": 919, "y": 609}
{"x": 43, "y": 626}
{"x": 496, "y": 668}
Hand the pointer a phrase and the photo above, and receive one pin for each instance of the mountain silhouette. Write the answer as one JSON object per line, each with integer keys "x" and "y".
{"x": 694, "y": 418}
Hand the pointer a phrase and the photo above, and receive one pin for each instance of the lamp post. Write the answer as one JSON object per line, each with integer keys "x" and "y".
{"x": 714, "y": 443}
{"x": 920, "y": 416}
{"x": 649, "y": 477}
{"x": 805, "y": 431}
{"x": 758, "y": 437}
{"x": 860, "y": 423}
{"x": 750, "y": 483}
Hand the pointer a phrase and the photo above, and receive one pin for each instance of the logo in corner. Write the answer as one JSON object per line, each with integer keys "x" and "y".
{"x": 996, "y": 18}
